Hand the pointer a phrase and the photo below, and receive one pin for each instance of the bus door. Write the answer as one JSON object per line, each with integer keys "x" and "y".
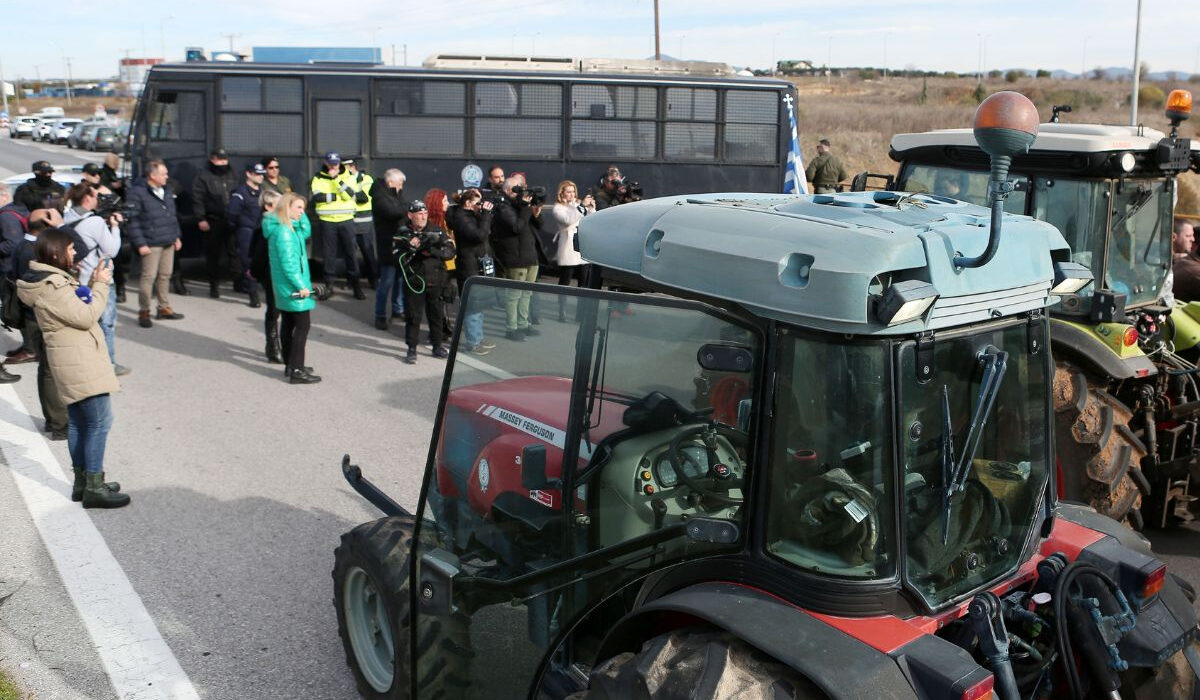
{"x": 338, "y": 113}
{"x": 176, "y": 127}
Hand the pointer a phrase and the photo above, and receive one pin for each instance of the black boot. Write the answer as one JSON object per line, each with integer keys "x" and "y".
{"x": 177, "y": 285}
{"x": 214, "y": 292}
{"x": 274, "y": 350}
{"x": 356, "y": 287}
{"x": 7, "y": 377}
{"x": 97, "y": 494}
{"x": 120, "y": 292}
{"x": 81, "y": 483}
{"x": 255, "y": 302}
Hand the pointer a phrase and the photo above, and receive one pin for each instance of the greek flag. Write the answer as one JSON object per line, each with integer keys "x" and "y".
{"x": 793, "y": 180}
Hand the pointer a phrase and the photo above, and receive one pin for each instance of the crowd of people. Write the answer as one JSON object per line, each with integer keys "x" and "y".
{"x": 64, "y": 255}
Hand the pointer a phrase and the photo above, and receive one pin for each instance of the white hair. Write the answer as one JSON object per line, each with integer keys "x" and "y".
{"x": 394, "y": 175}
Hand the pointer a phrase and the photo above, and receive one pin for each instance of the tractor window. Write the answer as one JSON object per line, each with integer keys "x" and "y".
{"x": 831, "y": 472}
{"x": 965, "y": 185}
{"x": 1077, "y": 209}
{"x": 1140, "y": 250}
{"x": 975, "y": 452}
{"x": 664, "y": 394}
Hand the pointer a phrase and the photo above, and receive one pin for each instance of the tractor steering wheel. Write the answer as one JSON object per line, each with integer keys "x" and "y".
{"x": 720, "y": 478}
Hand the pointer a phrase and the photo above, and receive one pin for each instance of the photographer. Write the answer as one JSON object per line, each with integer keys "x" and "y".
{"x": 514, "y": 238}
{"x": 421, "y": 252}
{"x": 606, "y": 192}
{"x": 471, "y": 220}
{"x": 99, "y": 236}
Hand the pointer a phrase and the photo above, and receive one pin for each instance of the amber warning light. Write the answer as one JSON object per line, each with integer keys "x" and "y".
{"x": 1179, "y": 105}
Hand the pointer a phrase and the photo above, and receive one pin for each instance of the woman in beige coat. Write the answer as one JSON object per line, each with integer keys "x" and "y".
{"x": 69, "y": 315}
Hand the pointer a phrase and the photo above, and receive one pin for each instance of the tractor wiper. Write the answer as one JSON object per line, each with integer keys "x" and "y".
{"x": 994, "y": 362}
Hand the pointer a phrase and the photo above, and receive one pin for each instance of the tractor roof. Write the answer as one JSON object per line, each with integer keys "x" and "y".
{"x": 1070, "y": 138}
{"x": 821, "y": 261}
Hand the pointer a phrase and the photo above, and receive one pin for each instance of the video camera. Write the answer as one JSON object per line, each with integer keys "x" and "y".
{"x": 537, "y": 195}
{"x": 109, "y": 204}
{"x": 629, "y": 191}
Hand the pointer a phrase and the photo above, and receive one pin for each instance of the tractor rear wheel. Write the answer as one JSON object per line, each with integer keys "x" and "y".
{"x": 1098, "y": 454}
{"x": 696, "y": 664}
{"x": 1173, "y": 679}
{"x": 371, "y": 595}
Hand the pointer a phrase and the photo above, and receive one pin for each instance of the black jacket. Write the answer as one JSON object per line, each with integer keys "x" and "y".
{"x": 152, "y": 220}
{"x": 472, "y": 229}
{"x": 514, "y": 236}
{"x": 110, "y": 179}
{"x": 210, "y": 192}
{"x": 428, "y": 258}
{"x": 41, "y": 193}
{"x": 389, "y": 210}
{"x": 245, "y": 208}
{"x": 14, "y": 221}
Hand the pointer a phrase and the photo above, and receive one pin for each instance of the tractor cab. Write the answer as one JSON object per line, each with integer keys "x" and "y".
{"x": 806, "y": 449}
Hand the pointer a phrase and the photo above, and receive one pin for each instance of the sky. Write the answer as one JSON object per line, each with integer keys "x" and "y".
{"x": 958, "y": 35}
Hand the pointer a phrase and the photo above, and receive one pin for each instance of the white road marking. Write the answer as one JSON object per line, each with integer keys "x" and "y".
{"x": 137, "y": 659}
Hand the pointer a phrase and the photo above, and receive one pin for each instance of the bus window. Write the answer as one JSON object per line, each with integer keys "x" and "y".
{"x": 177, "y": 116}
{"x": 691, "y": 131}
{"x": 611, "y": 122}
{"x": 522, "y": 135}
{"x": 420, "y": 117}
{"x": 339, "y": 126}
{"x": 253, "y": 119}
{"x": 751, "y": 134}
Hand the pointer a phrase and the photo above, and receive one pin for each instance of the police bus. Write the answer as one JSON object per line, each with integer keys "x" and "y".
{"x": 674, "y": 128}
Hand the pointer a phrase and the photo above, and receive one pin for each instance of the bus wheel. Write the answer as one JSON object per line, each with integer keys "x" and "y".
{"x": 699, "y": 664}
{"x": 371, "y": 595}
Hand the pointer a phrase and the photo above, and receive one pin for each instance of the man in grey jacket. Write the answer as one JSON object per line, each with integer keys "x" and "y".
{"x": 98, "y": 239}
{"x": 154, "y": 234}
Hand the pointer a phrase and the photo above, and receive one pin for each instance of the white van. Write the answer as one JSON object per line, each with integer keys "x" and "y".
{"x": 47, "y": 113}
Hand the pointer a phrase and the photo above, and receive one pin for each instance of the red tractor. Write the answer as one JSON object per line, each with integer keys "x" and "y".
{"x": 810, "y": 459}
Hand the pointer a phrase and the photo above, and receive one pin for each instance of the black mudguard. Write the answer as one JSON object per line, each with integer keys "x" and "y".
{"x": 843, "y": 667}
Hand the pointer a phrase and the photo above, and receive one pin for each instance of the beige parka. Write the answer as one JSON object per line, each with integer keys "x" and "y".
{"x": 74, "y": 342}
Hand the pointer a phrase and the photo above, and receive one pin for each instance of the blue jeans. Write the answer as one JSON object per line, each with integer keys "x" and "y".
{"x": 88, "y": 422}
{"x": 108, "y": 324}
{"x": 388, "y": 283}
{"x": 473, "y": 328}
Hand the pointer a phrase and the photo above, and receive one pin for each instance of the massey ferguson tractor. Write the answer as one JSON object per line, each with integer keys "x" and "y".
{"x": 1127, "y": 408}
{"x": 806, "y": 452}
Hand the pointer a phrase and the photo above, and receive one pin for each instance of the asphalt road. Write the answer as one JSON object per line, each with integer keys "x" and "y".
{"x": 17, "y": 155}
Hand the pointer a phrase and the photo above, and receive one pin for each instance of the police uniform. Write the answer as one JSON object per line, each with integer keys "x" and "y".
{"x": 334, "y": 201}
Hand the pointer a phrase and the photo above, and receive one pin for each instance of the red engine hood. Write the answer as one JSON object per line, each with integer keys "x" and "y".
{"x": 537, "y": 406}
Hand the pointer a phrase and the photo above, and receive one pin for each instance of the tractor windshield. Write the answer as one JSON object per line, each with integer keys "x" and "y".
{"x": 956, "y": 183}
{"x": 984, "y": 414}
{"x": 1139, "y": 251}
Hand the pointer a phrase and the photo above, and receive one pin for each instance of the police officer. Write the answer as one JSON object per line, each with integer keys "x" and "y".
{"x": 336, "y": 202}
{"x": 364, "y": 223}
{"x": 41, "y": 191}
{"x": 421, "y": 252}
{"x": 210, "y": 198}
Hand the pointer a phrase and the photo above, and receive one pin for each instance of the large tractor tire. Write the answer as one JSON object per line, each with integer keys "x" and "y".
{"x": 1098, "y": 455}
{"x": 696, "y": 664}
{"x": 371, "y": 595}
{"x": 1173, "y": 679}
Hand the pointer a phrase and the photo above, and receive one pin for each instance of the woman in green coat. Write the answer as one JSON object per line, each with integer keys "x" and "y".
{"x": 286, "y": 229}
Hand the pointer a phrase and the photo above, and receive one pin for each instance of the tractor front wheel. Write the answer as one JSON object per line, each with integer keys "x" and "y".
{"x": 1098, "y": 455}
{"x": 696, "y": 664}
{"x": 371, "y": 595}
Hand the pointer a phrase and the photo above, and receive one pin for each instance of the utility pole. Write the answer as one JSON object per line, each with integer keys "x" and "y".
{"x": 3, "y": 88}
{"x": 885, "y": 62}
{"x": 1137, "y": 69}
{"x": 67, "y": 59}
{"x": 657, "y": 35}
{"x": 829, "y": 61}
{"x": 231, "y": 37}
{"x": 1083, "y": 61}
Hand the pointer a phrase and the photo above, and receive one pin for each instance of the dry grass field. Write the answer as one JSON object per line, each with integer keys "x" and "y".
{"x": 860, "y": 116}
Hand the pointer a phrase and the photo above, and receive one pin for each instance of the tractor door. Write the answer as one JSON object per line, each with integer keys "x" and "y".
{"x": 609, "y": 442}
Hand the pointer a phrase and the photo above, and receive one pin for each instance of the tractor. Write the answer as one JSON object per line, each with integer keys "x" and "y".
{"x": 1127, "y": 407}
{"x": 806, "y": 451}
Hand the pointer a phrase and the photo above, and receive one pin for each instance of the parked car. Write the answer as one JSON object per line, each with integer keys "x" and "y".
{"x": 41, "y": 131}
{"x": 82, "y": 132}
{"x": 21, "y": 126}
{"x": 102, "y": 139}
{"x": 63, "y": 128}
{"x": 121, "y": 142}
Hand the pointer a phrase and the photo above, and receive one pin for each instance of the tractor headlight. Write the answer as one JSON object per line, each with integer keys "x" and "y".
{"x": 1127, "y": 162}
{"x": 1070, "y": 277}
{"x": 904, "y": 301}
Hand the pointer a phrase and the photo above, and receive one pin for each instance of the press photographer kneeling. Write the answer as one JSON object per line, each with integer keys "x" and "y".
{"x": 421, "y": 252}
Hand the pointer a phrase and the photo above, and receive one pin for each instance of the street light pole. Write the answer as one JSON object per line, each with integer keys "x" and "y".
{"x": 1083, "y": 60}
{"x": 657, "y": 35}
{"x": 885, "y": 63}
{"x": 1137, "y": 45}
{"x": 67, "y": 59}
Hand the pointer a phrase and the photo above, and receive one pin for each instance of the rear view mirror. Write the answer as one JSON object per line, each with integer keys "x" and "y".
{"x": 533, "y": 467}
{"x": 725, "y": 358}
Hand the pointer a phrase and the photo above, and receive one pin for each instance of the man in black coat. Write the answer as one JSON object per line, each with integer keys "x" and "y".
{"x": 420, "y": 252}
{"x": 154, "y": 234}
{"x": 390, "y": 212}
{"x": 210, "y": 197}
{"x": 514, "y": 238}
{"x": 41, "y": 191}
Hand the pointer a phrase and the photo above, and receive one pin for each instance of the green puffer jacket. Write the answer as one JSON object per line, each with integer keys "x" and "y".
{"x": 74, "y": 342}
{"x": 289, "y": 262}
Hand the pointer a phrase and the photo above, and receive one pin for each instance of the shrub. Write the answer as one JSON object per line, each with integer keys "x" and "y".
{"x": 1043, "y": 73}
{"x": 1151, "y": 96}
{"x": 1013, "y": 76}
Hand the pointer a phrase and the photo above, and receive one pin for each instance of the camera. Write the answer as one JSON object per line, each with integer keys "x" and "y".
{"x": 109, "y": 204}
{"x": 537, "y": 195}
{"x": 629, "y": 191}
